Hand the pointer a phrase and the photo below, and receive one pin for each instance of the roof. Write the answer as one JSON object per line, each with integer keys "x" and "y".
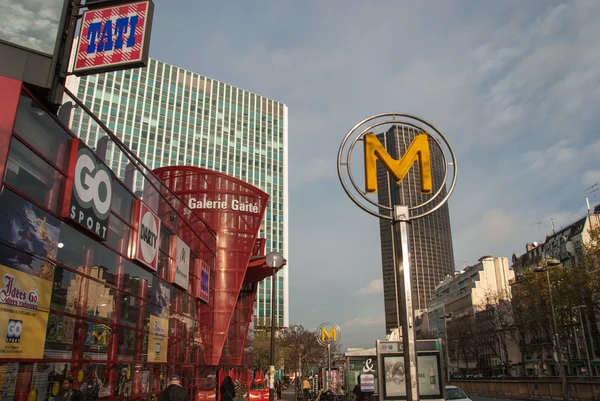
{"x": 258, "y": 269}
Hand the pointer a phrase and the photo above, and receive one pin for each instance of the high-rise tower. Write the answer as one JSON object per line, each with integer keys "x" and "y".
{"x": 430, "y": 238}
{"x": 169, "y": 116}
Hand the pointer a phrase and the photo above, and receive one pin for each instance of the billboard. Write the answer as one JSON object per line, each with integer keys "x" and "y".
{"x": 114, "y": 38}
{"x": 180, "y": 267}
{"x": 24, "y": 306}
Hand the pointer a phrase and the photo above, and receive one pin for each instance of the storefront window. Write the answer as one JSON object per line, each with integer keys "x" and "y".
{"x": 78, "y": 250}
{"x": 118, "y": 235}
{"x": 32, "y": 176}
{"x": 41, "y": 131}
{"x": 122, "y": 201}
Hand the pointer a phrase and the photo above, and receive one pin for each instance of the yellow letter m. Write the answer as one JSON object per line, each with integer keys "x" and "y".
{"x": 328, "y": 335}
{"x": 418, "y": 151}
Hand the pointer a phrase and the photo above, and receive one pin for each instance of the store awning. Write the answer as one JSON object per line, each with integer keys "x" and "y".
{"x": 258, "y": 269}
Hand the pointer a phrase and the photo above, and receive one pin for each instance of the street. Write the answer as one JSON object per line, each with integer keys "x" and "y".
{"x": 491, "y": 398}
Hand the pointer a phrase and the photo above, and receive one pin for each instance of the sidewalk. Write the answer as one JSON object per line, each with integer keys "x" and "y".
{"x": 288, "y": 395}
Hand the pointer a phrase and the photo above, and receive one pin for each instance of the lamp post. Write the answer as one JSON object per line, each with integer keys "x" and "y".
{"x": 587, "y": 352}
{"x": 274, "y": 261}
{"x": 557, "y": 350}
{"x": 446, "y": 346}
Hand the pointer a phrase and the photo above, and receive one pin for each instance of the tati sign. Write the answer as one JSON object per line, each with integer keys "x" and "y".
{"x": 114, "y": 38}
{"x": 146, "y": 236}
{"x": 89, "y": 190}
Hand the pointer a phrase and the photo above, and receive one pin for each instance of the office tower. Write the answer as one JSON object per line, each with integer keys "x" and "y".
{"x": 430, "y": 238}
{"x": 169, "y": 116}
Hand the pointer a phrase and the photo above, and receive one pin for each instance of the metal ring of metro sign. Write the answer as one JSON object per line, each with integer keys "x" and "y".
{"x": 418, "y": 152}
{"x": 329, "y": 334}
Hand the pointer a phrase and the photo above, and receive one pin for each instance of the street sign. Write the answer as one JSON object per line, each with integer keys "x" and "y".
{"x": 328, "y": 334}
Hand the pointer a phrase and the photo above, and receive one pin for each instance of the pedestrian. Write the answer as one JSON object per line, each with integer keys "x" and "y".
{"x": 227, "y": 389}
{"x": 360, "y": 396}
{"x": 278, "y": 389}
{"x": 306, "y": 389}
{"x": 174, "y": 391}
{"x": 68, "y": 393}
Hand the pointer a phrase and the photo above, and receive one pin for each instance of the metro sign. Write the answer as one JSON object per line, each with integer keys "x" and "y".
{"x": 114, "y": 38}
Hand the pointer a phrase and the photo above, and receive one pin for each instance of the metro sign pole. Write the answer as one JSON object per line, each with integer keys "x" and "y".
{"x": 399, "y": 215}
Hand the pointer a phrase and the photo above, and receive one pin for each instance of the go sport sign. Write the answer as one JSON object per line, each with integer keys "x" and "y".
{"x": 114, "y": 38}
{"x": 89, "y": 190}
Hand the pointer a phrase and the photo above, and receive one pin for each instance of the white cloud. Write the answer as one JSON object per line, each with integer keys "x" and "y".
{"x": 365, "y": 321}
{"x": 374, "y": 287}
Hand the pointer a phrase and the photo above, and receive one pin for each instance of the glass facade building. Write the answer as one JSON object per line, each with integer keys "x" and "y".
{"x": 172, "y": 117}
{"x": 430, "y": 242}
{"x": 106, "y": 275}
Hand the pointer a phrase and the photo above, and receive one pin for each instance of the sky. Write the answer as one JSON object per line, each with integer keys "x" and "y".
{"x": 514, "y": 86}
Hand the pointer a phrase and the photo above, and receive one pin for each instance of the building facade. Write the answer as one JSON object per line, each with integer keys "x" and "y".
{"x": 456, "y": 310}
{"x": 108, "y": 277}
{"x": 430, "y": 242}
{"x": 170, "y": 116}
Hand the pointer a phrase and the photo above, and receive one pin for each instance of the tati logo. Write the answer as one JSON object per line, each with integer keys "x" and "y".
{"x": 148, "y": 236}
{"x": 92, "y": 193}
{"x": 11, "y": 294}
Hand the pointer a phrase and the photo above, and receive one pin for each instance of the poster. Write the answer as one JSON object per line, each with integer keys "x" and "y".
{"x": 31, "y": 229}
{"x": 394, "y": 376}
{"x": 429, "y": 382}
{"x": 204, "y": 281}
{"x": 24, "y": 306}
{"x": 61, "y": 329}
{"x": 182, "y": 263}
{"x": 158, "y": 339}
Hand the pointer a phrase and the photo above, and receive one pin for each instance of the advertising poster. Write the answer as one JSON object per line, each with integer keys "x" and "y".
{"x": 158, "y": 339}
{"x": 97, "y": 336}
{"x": 429, "y": 383}
{"x": 182, "y": 263}
{"x": 204, "y": 281}
{"x": 61, "y": 329}
{"x": 367, "y": 383}
{"x": 24, "y": 306}
{"x": 31, "y": 229}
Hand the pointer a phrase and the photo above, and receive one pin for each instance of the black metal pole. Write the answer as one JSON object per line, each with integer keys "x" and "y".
{"x": 272, "y": 353}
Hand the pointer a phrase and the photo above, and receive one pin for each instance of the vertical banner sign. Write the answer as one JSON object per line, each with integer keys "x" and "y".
{"x": 24, "y": 306}
{"x": 181, "y": 271}
{"x": 158, "y": 339}
{"x": 89, "y": 189}
{"x": 114, "y": 38}
{"x": 147, "y": 236}
{"x": 204, "y": 281}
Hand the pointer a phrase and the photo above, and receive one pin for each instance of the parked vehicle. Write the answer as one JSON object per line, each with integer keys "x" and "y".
{"x": 456, "y": 394}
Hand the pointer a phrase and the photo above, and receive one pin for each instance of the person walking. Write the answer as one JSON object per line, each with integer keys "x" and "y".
{"x": 68, "y": 393}
{"x": 227, "y": 389}
{"x": 306, "y": 389}
{"x": 278, "y": 388}
{"x": 174, "y": 391}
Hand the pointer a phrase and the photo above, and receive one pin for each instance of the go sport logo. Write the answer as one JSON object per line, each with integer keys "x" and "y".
{"x": 92, "y": 193}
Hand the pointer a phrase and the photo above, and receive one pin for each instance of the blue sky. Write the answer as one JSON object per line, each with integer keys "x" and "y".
{"x": 514, "y": 85}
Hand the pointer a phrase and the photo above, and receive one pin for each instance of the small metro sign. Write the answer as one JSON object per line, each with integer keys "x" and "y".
{"x": 114, "y": 38}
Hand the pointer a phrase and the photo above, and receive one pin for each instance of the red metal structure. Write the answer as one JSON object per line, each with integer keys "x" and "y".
{"x": 117, "y": 326}
{"x": 234, "y": 210}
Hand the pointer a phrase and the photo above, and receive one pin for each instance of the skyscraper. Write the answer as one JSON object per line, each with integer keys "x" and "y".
{"x": 430, "y": 238}
{"x": 170, "y": 116}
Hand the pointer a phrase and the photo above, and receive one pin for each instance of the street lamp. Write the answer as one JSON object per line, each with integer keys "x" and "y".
{"x": 274, "y": 261}
{"x": 446, "y": 345}
{"x": 540, "y": 269}
{"x": 587, "y": 352}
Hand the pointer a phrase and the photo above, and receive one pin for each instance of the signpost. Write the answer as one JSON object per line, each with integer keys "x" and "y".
{"x": 328, "y": 334}
{"x": 400, "y": 215}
